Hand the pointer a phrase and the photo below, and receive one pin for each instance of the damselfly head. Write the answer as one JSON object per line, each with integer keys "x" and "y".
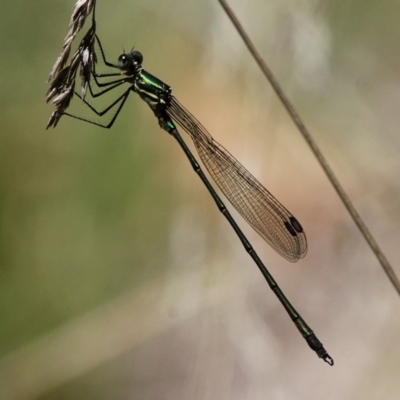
{"x": 137, "y": 57}
{"x": 127, "y": 61}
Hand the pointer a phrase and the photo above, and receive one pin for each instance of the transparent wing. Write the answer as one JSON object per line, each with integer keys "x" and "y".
{"x": 257, "y": 205}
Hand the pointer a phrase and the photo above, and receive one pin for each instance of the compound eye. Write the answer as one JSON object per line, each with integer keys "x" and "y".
{"x": 137, "y": 57}
{"x": 123, "y": 61}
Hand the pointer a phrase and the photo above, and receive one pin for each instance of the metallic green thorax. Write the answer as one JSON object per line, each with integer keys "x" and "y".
{"x": 157, "y": 95}
{"x": 151, "y": 89}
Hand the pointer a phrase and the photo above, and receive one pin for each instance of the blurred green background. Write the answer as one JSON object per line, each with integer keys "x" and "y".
{"x": 119, "y": 278}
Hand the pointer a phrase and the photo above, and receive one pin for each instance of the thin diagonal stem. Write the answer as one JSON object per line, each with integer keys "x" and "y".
{"x": 314, "y": 148}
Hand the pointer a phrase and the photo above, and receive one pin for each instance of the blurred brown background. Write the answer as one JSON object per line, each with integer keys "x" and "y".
{"x": 120, "y": 279}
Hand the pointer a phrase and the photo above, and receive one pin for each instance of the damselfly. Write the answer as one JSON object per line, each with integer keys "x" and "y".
{"x": 255, "y": 203}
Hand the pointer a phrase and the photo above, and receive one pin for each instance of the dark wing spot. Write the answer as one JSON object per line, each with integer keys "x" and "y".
{"x": 290, "y": 229}
{"x": 296, "y": 224}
